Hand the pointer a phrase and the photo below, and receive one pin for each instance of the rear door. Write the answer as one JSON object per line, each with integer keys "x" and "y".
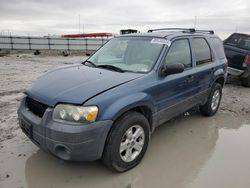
{"x": 204, "y": 67}
{"x": 237, "y": 46}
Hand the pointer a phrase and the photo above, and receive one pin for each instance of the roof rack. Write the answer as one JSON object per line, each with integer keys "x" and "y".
{"x": 205, "y": 31}
{"x": 191, "y": 30}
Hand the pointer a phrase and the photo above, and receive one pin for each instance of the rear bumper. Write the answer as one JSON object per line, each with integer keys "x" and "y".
{"x": 234, "y": 72}
{"x": 76, "y": 143}
{"x": 240, "y": 73}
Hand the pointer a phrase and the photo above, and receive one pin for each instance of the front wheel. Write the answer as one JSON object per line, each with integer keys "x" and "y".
{"x": 213, "y": 102}
{"x": 127, "y": 142}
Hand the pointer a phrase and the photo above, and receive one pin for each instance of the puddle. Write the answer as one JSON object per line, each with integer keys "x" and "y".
{"x": 188, "y": 152}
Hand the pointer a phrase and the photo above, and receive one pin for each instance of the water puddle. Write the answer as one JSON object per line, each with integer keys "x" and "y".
{"x": 188, "y": 152}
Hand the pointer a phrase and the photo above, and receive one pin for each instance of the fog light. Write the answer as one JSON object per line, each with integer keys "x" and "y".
{"x": 62, "y": 152}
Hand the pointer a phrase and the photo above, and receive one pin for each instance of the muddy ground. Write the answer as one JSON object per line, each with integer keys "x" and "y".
{"x": 190, "y": 151}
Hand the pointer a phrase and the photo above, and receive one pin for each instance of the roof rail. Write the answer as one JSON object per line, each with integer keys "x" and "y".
{"x": 191, "y": 30}
{"x": 205, "y": 31}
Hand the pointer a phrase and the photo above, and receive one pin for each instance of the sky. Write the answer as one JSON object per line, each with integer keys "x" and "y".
{"x": 57, "y": 17}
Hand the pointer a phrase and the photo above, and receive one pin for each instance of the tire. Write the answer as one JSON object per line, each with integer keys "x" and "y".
{"x": 112, "y": 157}
{"x": 208, "y": 109}
{"x": 246, "y": 81}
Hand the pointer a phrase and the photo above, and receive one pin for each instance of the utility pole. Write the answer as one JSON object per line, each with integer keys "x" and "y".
{"x": 236, "y": 28}
{"x": 195, "y": 22}
{"x": 79, "y": 22}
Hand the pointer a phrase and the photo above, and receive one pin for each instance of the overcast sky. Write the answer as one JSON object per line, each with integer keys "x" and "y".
{"x": 56, "y": 17}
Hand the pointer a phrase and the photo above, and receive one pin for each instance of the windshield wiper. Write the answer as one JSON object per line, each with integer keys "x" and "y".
{"x": 111, "y": 67}
{"x": 89, "y": 62}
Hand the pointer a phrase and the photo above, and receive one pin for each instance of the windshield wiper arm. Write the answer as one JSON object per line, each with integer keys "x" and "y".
{"x": 89, "y": 62}
{"x": 111, "y": 67}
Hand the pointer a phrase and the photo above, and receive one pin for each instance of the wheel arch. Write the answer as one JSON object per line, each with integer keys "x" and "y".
{"x": 139, "y": 102}
{"x": 142, "y": 109}
{"x": 220, "y": 80}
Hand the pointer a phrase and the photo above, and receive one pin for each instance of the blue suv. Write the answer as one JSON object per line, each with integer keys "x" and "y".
{"x": 108, "y": 106}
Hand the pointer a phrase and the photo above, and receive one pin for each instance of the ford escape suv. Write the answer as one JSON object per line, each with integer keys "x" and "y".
{"x": 108, "y": 106}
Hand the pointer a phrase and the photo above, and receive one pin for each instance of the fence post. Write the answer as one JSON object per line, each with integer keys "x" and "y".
{"x": 68, "y": 43}
{"x": 86, "y": 42}
{"x": 29, "y": 42}
{"x": 49, "y": 42}
{"x": 11, "y": 42}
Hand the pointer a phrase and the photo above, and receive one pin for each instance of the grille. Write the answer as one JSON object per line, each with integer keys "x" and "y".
{"x": 36, "y": 107}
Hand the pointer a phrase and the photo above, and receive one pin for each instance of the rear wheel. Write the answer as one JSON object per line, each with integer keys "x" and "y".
{"x": 246, "y": 81}
{"x": 213, "y": 102}
{"x": 127, "y": 142}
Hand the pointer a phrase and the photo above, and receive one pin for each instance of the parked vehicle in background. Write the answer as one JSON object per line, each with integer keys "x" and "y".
{"x": 128, "y": 31}
{"x": 237, "y": 50}
{"x": 108, "y": 106}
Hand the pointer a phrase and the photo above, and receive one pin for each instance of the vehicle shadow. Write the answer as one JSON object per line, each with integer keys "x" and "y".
{"x": 233, "y": 81}
{"x": 177, "y": 152}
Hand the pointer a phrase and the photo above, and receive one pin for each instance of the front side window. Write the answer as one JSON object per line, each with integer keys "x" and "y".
{"x": 179, "y": 52}
{"x": 202, "y": 51}
{"x": 133, "y": 54}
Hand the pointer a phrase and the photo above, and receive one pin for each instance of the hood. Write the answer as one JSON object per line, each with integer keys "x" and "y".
{"x": 75, "y": 84}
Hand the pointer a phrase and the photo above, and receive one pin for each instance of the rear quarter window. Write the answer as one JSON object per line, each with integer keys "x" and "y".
{"x": 218, "y": 46}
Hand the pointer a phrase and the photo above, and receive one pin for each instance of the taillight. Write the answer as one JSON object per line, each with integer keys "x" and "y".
{"x": 247, "y": 60}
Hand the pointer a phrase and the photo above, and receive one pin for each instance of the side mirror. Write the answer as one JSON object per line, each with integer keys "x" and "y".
{"x": 172, "y": 69}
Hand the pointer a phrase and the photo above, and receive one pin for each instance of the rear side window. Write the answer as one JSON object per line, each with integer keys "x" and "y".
{"x": 179, "y": 52}
{"x": 218, "y": 46}
{"x": 202, "y": 51}
{"x": 239, "y": 40}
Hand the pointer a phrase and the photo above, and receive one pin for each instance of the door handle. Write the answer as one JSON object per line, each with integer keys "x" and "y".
{"x": 212, "y": 70}
{"x": 190, "y": 78}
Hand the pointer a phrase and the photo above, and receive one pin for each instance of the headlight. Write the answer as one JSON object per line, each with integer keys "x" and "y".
{"x": 75, "y": 114}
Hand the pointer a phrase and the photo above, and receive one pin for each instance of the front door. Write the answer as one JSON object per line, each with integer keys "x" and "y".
{"x": 175, "y": 91}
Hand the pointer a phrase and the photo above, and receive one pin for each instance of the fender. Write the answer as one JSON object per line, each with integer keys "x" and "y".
{"x": 120, "y": 106}
{"x": 219, "y": 73}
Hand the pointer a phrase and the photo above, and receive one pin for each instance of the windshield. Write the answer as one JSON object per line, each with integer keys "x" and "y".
{"x": 134, "y": 54}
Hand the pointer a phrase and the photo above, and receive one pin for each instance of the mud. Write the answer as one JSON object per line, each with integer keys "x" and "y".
{"x": 190, "y": 151}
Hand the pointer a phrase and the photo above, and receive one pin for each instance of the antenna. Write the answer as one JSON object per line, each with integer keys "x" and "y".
{"x": 195, "y": 21}
{"x": 236, "y": 28}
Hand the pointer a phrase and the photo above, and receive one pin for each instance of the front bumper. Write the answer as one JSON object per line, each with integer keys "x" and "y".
{"x": 68, "y": 142}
